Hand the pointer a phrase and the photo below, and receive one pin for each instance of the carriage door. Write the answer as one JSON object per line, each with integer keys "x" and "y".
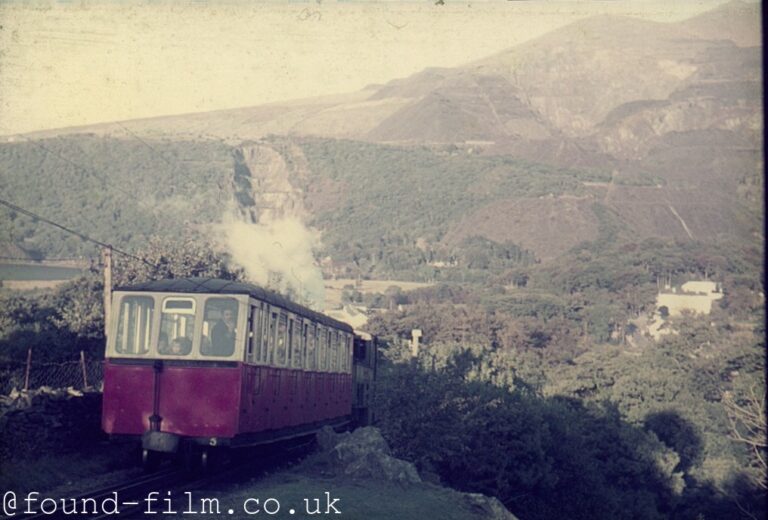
{"x": 252, "y": 374}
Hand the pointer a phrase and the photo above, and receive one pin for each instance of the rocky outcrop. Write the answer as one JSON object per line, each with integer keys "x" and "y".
{"x": 365, "y": 454}
{"x": 488, "y": 507}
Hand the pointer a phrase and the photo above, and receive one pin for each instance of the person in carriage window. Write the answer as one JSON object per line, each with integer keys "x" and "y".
{"x": 180, "y": 346}
{"x": 223, "y": 334}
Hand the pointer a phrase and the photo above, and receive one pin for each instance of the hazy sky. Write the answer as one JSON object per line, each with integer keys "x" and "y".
{"x": 70, "y": 63}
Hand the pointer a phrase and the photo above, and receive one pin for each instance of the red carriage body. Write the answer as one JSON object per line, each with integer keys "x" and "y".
{"x": 213, "y": 362}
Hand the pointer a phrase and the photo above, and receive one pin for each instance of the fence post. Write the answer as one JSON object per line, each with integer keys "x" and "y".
{"x": 107, "y": 255}
{"x": 26, "y": 372}
{"x": 85, "y": 372}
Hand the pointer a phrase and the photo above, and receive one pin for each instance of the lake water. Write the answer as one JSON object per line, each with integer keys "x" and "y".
{"x": 37, "y": 272}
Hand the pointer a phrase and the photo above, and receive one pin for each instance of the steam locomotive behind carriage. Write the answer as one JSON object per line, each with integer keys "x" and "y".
{"x": 196, "y": 363}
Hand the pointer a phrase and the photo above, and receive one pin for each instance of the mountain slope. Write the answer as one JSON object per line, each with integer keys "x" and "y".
{"x": 655, "y": 127}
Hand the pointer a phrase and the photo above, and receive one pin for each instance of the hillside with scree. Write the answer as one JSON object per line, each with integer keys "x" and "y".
{"x": 611, "y": 123}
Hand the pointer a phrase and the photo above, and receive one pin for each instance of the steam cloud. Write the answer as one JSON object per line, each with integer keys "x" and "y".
{"x": 277, "y": 254}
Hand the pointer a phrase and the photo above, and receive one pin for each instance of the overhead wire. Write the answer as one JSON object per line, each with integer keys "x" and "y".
{"x": 94, "y": 173}
{"x": 142, "y": 141}
{"x": 91, "y": 172}
{"x": 83, "y": 236}
{"x": 162, "y": 155}
{"x": 103, "y": 179}
{"x": 165, "y": 159}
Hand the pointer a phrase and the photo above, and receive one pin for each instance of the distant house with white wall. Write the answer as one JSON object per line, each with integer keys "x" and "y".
{"x": 695, "y": 296}
{"x": 353, "y": 315}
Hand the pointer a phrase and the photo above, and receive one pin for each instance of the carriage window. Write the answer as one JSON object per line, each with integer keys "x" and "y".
{"x": 350, "y": 346}
{"x": 332, "y": 354}
{"x": 254, "y": 343}
{"x": 327, "y": 350}
{"x": 296, "y": 345}
{"x": 344, "y": 353}
{"x": 265, "y": 331}
{"x": 260, "y": 331}
{"x": 359, "y": 350}
{"x": 311, "y": 349}
{"x": 309, "y": 363}
{"x": 177, "y": 326}
{"x": 219, "y": 327}
{"x": 288, "y": 349}
{"x": 280, "y": 337}
{"x": 135, "y": 325}
{"x": 339, "y": 351}
{"x": 271, "y": 338}
{"x": 320, "y": 348}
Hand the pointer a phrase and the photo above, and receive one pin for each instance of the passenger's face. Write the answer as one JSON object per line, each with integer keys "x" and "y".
{"x": 229, "y": 316}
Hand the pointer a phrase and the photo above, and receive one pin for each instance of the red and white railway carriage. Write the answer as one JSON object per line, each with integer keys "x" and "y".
{"x": 210, "y": 362}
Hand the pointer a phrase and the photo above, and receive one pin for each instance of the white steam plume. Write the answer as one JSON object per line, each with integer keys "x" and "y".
{"x": 276, "y": 254}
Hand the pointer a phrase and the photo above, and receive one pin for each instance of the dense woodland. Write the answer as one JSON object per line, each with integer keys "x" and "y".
{"x": 526, "y": 386}
{"x": 118, "y": 191}
{"x": 125, "y": 191}
{"x": 412, "y": 196}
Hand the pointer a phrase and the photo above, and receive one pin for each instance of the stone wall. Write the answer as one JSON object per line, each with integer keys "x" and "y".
{"x": 47, "y": 421}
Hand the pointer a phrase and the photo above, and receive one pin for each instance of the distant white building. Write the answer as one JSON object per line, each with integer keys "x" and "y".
{"x": 700, "y": 287}
{"x": 353, "y": 315}
{"x": 694, "y": 296}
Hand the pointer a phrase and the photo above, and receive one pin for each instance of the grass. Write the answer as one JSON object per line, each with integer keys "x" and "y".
{"x": 52, "y": 471}
{"x": 358, "y": 499}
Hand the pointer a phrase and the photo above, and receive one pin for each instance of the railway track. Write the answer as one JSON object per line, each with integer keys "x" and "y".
{"x": 164, "y": 492}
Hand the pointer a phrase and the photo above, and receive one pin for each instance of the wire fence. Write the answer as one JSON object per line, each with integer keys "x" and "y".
{"x": 82, "y": 373}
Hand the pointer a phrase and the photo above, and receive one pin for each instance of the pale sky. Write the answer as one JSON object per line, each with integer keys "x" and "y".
{"x": 73, "y": 63}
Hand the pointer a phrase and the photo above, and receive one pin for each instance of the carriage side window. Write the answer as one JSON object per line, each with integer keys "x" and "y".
{"x": 280, "y": 338}
{"x": 134, "y": 328}
{"x": 340, "y": 351}
{"x": 332, "y": 351}
{"x": 219, "y": 327}
{"x": 264, "y": 334}
{"x": 271, "y": 338}
{"x": 254, "y": 343}
{"x": 350, "y": 346}
{"x": 313, "y": 347}
{"x": 327, "y": 351}
{"x": 305, "y": 347}
{"x": 260, "y": 350}
{"x": 289, "y": 348}
{"x": 340, "y": 344}
{"x": 296, "y": 345}
{"x": 177, "y": 326}
{"x": 359, "y": 350}
{"x": 321, "y": 351}
{"x": 345, "y": 353}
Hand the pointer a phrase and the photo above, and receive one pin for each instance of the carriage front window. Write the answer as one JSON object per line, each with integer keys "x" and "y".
{"x": 219, "y": 327}
{"x": 177, "y": 326}
{"x": 134, "y": 327}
